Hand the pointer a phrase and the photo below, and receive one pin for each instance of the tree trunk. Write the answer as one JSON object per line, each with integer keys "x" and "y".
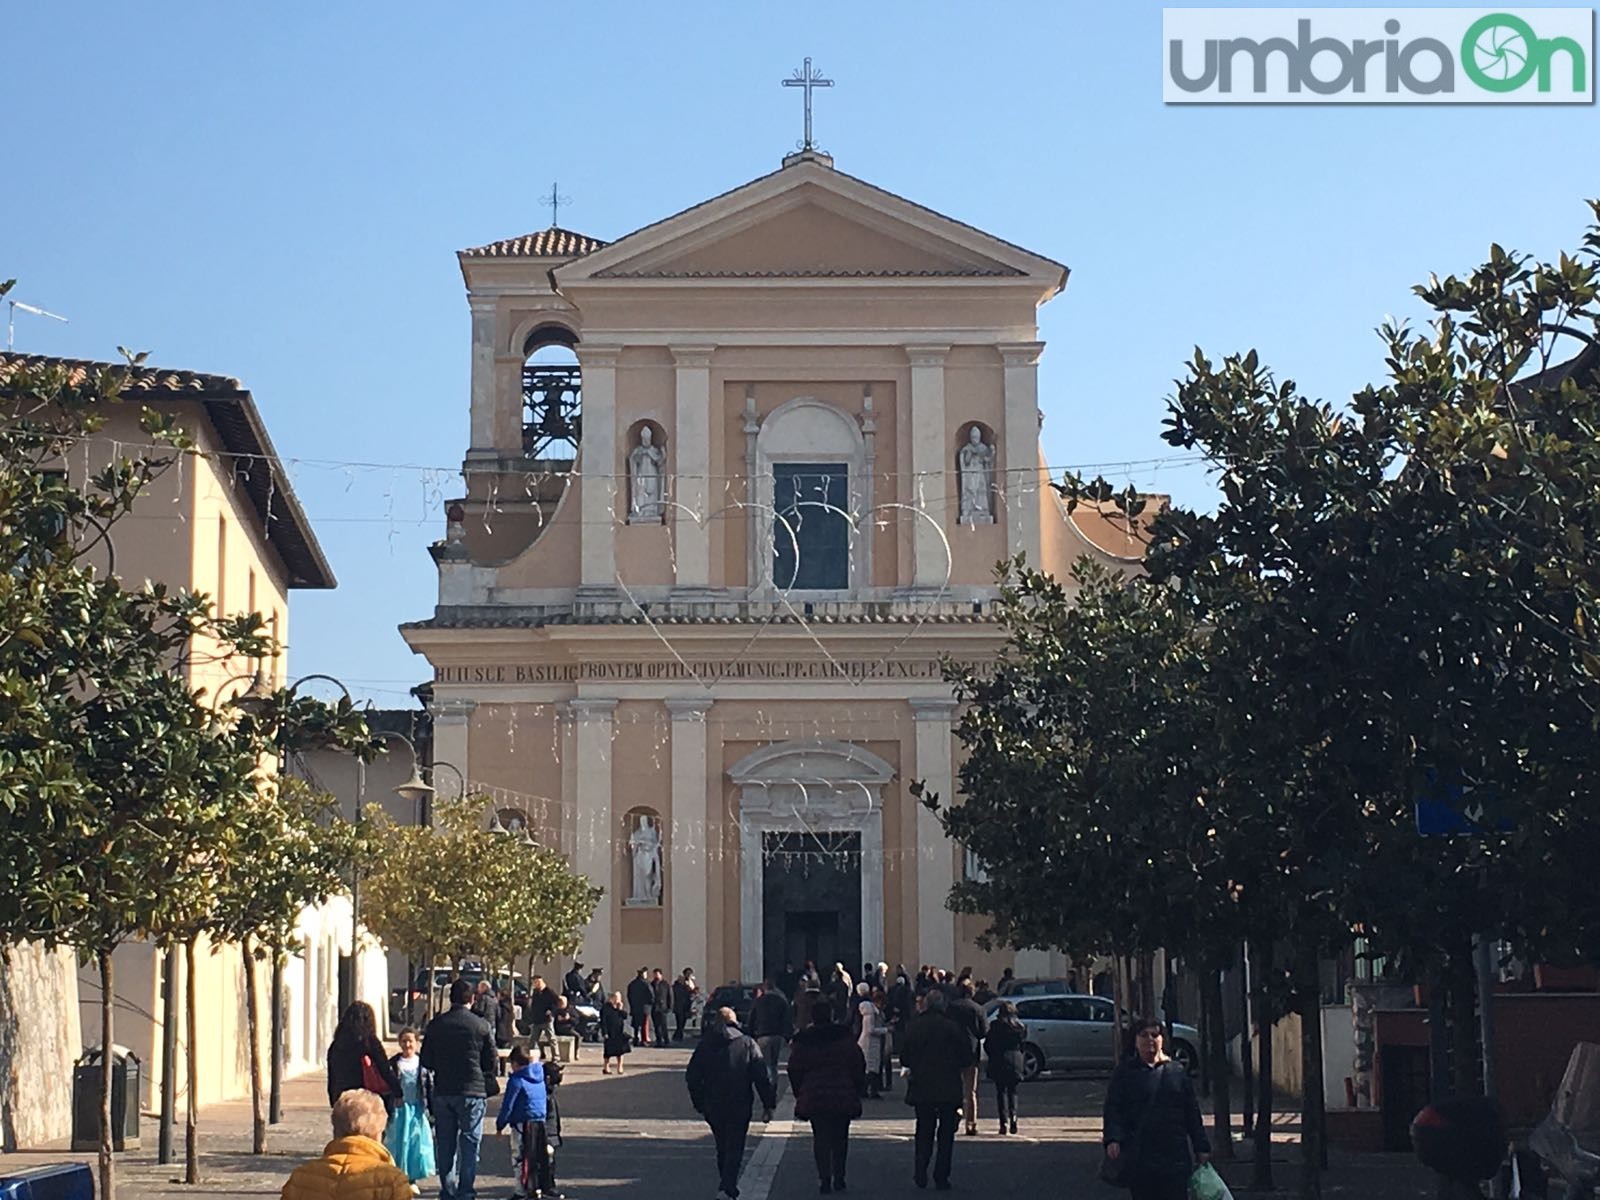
{"x": 1464, "y": 1022}
{"x": 191, "y": 1117}
{"x": 1246, "y": 1054}
{"x": 1261, "y": 1168}
{"x": 1313, "y": 1133}
{"x": 1119, "y": 1004}
{"x": 170, "y": 1008}
{"x": 252, "y": 1021}
{"x": 1438, "y": 1036}
{"x": 108, "y": 1183}
{"x": 1217, "y": 1055}
{"x": 275, "y": 1042}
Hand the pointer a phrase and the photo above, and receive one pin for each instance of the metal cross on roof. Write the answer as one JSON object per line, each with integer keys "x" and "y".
{"x": 554, "y": 204}
{"x": 807, "y": 79}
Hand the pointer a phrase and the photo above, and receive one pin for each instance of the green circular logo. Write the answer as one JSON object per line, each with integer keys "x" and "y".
{"x": 1499, "y": 52}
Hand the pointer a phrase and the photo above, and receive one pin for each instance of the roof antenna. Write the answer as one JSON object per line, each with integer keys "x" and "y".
{"x": 11, "y": 319}
{"x": 554, "y": 204}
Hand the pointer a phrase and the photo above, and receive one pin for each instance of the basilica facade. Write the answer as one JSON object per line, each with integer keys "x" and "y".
{"x": 737, "y": 483}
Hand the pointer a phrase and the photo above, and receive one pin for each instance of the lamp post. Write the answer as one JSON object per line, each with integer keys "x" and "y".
{"x": 420, "y": 793}
{"x": 254, "y": 700}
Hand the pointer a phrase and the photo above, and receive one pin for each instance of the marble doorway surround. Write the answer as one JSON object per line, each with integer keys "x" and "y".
{"x": 816, "y": 787}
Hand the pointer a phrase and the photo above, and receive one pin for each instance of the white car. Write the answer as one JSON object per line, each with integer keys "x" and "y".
{"x": 1070, "y": 1031}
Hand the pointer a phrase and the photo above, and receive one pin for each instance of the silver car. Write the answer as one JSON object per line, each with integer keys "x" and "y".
{"x": 1070, "y": 1031}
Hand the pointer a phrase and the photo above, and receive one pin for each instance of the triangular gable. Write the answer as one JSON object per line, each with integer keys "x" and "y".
{"x": 808, "y": 221}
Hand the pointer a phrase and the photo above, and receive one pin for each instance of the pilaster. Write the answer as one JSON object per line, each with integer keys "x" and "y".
{"x": 691, "y": 459}
{"x": 929, "y": 470}
{"x": 482, "y": 442}
{"x": 597, "y": 468}
{"x": 452, "y": 741}
{"x": 686, "y": 901}
{"x": 936, "y": 924}
{"x": 594, "y": 829}
{"x": 1022, "y": 480}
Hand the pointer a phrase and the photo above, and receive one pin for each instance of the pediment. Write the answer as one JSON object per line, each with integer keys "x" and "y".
{"x": 809, "y": 221}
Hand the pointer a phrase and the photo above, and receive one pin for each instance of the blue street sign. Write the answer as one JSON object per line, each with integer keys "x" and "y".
{"x": 1455, "y": 810}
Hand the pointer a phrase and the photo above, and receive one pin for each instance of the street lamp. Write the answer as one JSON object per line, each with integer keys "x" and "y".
{"x": 254, "y": 701}
{"x": 417, "y": 789}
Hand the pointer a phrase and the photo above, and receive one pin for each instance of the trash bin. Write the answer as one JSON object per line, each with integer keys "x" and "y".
{"x": 125, "y": 1083}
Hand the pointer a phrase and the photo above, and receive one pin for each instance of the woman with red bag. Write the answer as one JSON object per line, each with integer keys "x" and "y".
{"x": 356, "y": 1058}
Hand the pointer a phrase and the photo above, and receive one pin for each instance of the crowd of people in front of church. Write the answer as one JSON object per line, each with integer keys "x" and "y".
{"x": 399, "y": 1119}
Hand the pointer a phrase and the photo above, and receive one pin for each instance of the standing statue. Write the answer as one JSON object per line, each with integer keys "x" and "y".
{"x": 976, "y": 466}
{"x": 644, "y": 844}
{"x": 645, "y": 479}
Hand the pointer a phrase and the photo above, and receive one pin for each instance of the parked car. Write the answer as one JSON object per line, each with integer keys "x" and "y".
{"x": 1069, "y": 1031}
{"x": 740, "y": 997}
{"x": 1013, "y": 988}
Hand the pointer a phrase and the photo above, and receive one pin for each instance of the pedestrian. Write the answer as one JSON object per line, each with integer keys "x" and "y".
{"x": 483, "y": 1003}
{"x": 869, "y": 1039}
{"x": 614, "y": 1041}
{"x": 902, "y": 1003}
{"x": 935, "y": 1054}
{"x": 539, "y": 1012}
{"x": 684, "y": 990}
{"x": 356, "y": 1058}
{"x": 505, "y": 1020}
{"x": 826, "y": 1074}
{"x": 803, "y": 1004}
{"x": 840, "y": 988}
{"x": 409, "y": 1138}
{"x": 572, "y": 985}
{"x": 641, "y": 996}
{"x": 809, "y": 977}
{"x": 1003, "y": 1048}
{"x": 1007, "y": 978}
{"x": 789, "y": 981}
{"x": 1153, "y": 1130}
{"x": 458, "y": 1047}
{"x": 964, "y": 1011}
{"x": 524, "y": 1110}
{"x": 354, "y": 1166}
{"x": 660, "y": 1007}
{"x": 725, "y": 1068}
{"x": 983, "y": 993}
{"x": 564, "y": 1024}
{"x": 771, "y": 1024}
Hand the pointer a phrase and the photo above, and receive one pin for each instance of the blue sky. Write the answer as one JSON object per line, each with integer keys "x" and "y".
{"x": 276, "y": 193}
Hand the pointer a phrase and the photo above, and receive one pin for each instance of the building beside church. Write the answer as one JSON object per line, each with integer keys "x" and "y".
{"x": 736, "y": 483}
{"x": 225, "y": 521}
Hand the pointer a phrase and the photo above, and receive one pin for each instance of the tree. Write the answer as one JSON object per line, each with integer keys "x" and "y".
{"x": 111, "y": 773}
{"x": 460, "y": 890}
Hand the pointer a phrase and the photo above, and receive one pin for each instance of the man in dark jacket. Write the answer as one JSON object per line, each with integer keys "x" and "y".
{"x": 572, "y": 984}
{"x": 725, "y": 1067}
{"x": 660, "y": 1006}
{"x": 964, "y": 1011}
{"x": 936, "y": 1051}
{"x": 684, "y": 988}
{"x": 540, "y": 1007}
{"x": 771, "y": 1024}
{"x": 827, "y": 1073}
{"x": 1152, "y": 1115}
{"x": 458, "y": 1048}
{"x": 641, "y": 998}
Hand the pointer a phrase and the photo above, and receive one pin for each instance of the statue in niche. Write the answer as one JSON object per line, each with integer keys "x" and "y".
{"x": 645, "y": 478}
{"x": 975, "y": 464}
{"x": 644, "y": 848}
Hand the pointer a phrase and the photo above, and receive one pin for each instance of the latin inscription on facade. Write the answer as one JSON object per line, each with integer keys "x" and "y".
{"x": 691, "y": 670}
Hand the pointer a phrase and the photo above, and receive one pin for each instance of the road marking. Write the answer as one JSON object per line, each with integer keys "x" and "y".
{"x": 763, "y": 1167}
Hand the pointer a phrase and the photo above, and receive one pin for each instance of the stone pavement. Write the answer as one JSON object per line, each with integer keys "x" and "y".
{"x": 636, "y": 1135}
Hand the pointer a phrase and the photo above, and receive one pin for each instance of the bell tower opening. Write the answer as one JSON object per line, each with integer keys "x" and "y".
{"x": 552, "y": 397}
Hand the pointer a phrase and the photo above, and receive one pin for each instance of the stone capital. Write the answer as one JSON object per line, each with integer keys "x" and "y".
{"x": 927, "y": 356}
{"x": 1020, "y": 354}
{"x": 586, "y": 708}
{"x": 452, "y": 711}
{"x": 932, "y": 708}
{"x": 688, "y": 708}
{"x": 597, "y": 357}
{"x": 692, "y": 356}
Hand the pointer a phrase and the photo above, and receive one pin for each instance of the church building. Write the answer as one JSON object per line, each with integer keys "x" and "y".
{"x": 737, "y": 482}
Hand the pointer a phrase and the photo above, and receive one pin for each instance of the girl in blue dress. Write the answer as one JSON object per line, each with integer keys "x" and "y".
{"x": 409, "y": 1137}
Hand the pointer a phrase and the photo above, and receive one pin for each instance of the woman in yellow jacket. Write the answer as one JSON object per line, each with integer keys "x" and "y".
{"x": 354, "y": 1166}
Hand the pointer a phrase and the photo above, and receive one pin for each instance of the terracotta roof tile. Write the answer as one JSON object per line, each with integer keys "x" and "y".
{"x": 233, "y": 414}
{"x": 547, "y": 243}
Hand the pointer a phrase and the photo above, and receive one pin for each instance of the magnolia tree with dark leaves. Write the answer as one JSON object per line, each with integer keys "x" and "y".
{"x": 1396, "y": 598}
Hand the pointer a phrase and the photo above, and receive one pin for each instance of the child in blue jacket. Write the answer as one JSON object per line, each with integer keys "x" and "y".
{"x": 523, "y": 1109}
